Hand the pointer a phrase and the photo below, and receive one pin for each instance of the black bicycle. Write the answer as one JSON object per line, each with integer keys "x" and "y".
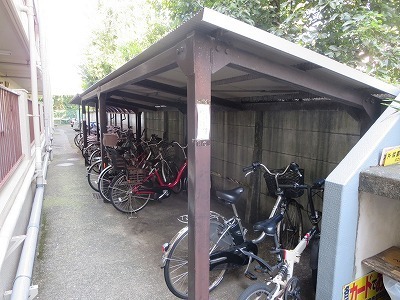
{"x": 228, "y": 244}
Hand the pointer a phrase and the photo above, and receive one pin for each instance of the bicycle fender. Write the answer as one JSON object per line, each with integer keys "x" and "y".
{"x": 262, "y": 262}
{"x": 171, "y": 243}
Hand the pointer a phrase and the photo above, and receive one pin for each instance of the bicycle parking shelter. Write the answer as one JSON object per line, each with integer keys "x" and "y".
{"x": 213, "y": 62}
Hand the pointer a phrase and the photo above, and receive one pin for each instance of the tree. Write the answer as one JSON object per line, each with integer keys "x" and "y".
{"x": 120, "y": 35}
{"x": 360, "y": 33}
{"x": 62, "y": 108}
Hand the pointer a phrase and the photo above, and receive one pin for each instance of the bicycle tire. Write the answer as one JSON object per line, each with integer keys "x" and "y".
{"x": 257, "y": 291}
{"x": 96, "y": 155}
{"x": 292, "y": 289}
{"x": 176, "y": 266}
{"x": 93, "y": 175}
{"x": 291, "y": 227}
{"x": 87, "y": 152}
{"x": 105, "y": 178}
{"x": 122, "y": 197}
{"x": 77, "y": 138}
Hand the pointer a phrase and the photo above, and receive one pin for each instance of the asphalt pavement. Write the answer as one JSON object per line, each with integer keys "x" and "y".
{"x": 89, "y": 250}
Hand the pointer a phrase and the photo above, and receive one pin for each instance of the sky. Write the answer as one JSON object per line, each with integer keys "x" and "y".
{"x": 67, "y": 26}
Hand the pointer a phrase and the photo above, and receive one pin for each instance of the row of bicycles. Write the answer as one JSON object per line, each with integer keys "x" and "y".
{"x": 137, "y": 170}
{"x": 231, "y": 248}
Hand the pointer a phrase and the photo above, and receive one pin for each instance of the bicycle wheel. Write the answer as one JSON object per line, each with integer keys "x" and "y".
{"x": 105, "y": 178}
{"x": 77, "y": 138}
{"x": 122, "y": 197}
{"x": 257, "y": 291}
{"x": 176, "y": 266}
{"x": 96, "y": 155}
{"x": 291, "y": 227}
{"x": 292, "y": 289}
{"x": 87, "y": 152}
{"x": 93, "y": 175}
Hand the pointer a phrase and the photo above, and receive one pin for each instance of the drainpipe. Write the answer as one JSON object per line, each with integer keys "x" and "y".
{"x": 23, "y": 278}
{"x": 29, "y": 9}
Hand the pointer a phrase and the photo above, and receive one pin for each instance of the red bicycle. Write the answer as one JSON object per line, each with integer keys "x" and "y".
{"x": 131, "y": 191}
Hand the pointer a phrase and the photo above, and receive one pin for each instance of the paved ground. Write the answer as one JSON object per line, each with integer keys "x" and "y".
{"x": 89, "y": 250}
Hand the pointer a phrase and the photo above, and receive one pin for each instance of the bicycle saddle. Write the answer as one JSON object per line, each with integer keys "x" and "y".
{"x": 319, "y": 182}
{"x": 230, "y": 196}
{"x": 269, "y": 225}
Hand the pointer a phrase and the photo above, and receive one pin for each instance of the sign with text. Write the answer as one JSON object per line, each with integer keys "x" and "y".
{"x": 368, "y": 287}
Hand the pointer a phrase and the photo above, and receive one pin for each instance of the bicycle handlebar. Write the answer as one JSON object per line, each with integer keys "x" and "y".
{"x": 294, "y": 167}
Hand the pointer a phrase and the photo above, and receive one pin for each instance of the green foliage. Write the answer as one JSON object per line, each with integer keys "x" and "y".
{"x": 360, "y": 33}
{"x": 115, "y": 41}
{"x": 62, "y": 107}
{"x": 393, "y": 103}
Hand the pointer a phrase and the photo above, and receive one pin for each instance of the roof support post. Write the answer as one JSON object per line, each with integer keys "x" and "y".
{"x": 103, "y": 125}
{"x": 97, "y": 120}
{"x": 194, "y": 60}
{"x": 138, "y": 126}
{"x": 84, "y": 125}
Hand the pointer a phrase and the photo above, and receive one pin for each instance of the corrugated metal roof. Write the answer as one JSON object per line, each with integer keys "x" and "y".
{"x": 252, "y": 68}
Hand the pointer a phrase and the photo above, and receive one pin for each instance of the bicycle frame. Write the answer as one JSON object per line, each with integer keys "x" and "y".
{"x": 139, "y": 189}
{"x": 291, "y": 257}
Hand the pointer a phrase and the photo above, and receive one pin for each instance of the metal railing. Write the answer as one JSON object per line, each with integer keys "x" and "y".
{"x": 10, "y": 132}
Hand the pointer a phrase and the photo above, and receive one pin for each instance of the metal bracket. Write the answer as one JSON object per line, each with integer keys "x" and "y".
{"x": 33, "y": 292}
{"x": 16, "y": 240}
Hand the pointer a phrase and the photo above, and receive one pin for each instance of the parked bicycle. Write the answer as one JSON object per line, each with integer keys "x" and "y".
{"x": 131, "y": 191}
{"x": 228, "y": 244}
{"x": 282, "y": 284}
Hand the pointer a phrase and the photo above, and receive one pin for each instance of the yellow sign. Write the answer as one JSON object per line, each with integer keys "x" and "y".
{"x": 390, "y": 156}
{"x": 365, "y": 288}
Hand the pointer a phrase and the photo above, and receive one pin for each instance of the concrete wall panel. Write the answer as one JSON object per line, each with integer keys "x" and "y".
{"x": 316, "y": 140}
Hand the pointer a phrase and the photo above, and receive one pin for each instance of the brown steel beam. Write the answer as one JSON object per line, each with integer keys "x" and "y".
{"x": 194, "y": 60}
{"x": 128, "y": 104}
{"x": 182, "y": 92}
{"x": 299, "y": 105}
{"x": 307, "y": 81}
{"x": 318, "y": 86}
{"x": 134, "y": 96}
{"x": 158, "y": 64}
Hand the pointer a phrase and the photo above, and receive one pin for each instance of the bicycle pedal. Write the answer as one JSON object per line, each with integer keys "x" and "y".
{"x": 250, "y": 275}
{"x": 165, "y": 194}
{"x": 260, "y": 269}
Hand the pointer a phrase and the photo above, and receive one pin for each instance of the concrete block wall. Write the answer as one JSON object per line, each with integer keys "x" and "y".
{"x": 154, "y": 123}
{"x": 316, "y": 140}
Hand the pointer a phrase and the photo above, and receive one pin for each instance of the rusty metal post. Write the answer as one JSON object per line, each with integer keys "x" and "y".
{"x": 103, "y": 125}
{"x": 194, "y": 60}
{"x": 138, "y": 126}
{"x": 97, "y": 120}
{"x": 84, "y": 125}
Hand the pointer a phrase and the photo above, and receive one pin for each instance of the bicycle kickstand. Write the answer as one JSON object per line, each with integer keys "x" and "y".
{"x": 247, "y": 273}
{"x": 132, "y": 215}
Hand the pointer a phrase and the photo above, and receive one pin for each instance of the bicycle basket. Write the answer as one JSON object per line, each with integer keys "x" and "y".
{"x": 110, "y": 139}
{"x": 136, "y": 175}
{"x": 117, "y": 161}
{"x": 289, "y": 177}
